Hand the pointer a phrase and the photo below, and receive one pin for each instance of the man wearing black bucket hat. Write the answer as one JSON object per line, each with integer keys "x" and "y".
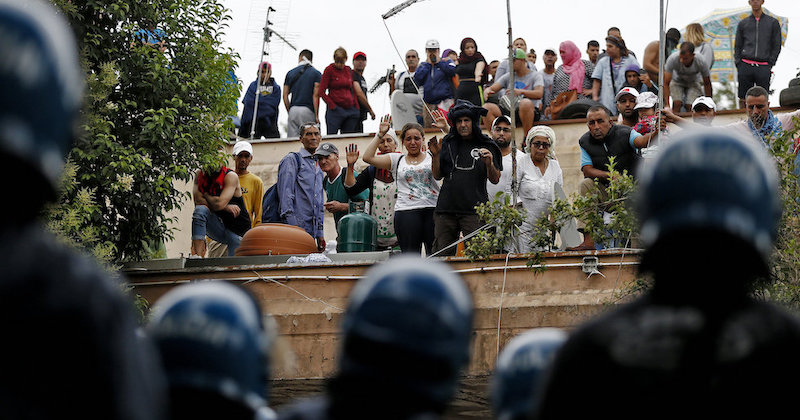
{"x": 465, "y": 158}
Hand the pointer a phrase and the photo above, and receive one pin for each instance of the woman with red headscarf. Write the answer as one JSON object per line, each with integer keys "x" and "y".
{"x": 470, "y": 72}
{"x": 574, "y": 73}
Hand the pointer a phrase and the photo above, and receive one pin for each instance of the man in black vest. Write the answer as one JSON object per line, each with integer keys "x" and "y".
{"x": 602, "y": 141}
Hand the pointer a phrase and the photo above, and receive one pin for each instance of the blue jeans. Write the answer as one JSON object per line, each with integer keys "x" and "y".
{"x": 339, "y": 118}
{"x": 205, "y": 222}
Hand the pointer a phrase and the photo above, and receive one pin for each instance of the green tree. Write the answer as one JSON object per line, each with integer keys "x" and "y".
{"x": 725, "y": 95}
{"x": 504, "y": 220}
{"x": 783, "y": 286}
{"x": 151, "y": 117}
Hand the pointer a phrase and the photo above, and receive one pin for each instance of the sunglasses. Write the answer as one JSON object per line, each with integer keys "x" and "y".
{"x": 502, "y": 129}
{"x": 540, "y": 145}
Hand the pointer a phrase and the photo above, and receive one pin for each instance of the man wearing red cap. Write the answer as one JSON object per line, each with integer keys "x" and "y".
{"x": 359, "y": 64}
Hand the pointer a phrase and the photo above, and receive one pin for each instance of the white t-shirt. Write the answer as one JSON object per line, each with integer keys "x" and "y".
{"x": 504, "y": 184}
{"x": 416, "y": 186}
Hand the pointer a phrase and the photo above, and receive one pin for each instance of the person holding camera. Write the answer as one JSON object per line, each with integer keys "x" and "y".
{"x": 435, "y": 76}
{"x": 465, "y": 159}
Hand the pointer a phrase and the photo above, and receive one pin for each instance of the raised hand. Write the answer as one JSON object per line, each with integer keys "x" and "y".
{"x": 435, "y": 146}
{"x": 352, "y": 154}
{"x": 440, "y": 121}
{"x": 385, "y": 126}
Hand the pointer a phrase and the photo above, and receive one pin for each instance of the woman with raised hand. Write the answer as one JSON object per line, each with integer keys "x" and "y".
{"x": 382, "y": 188}
{"x": 537, "y": 175}
{"x": 417, "y": 190}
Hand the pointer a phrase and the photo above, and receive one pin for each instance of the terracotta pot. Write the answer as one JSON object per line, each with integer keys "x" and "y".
{"x": 276, "y": 239}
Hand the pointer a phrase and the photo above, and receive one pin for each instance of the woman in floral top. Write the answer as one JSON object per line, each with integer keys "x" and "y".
{"x": 417, "y": 190}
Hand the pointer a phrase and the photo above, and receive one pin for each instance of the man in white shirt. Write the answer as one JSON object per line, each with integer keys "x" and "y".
{"x": 501, "y": 134}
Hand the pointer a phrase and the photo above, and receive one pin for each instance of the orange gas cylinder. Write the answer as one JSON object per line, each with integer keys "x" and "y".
{"x": 276, "y": 239}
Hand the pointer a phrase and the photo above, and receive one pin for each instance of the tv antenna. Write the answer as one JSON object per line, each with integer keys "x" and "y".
{"x": 268, "y": 32}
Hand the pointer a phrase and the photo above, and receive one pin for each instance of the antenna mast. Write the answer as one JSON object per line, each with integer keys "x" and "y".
{"x": 264, "y": 53}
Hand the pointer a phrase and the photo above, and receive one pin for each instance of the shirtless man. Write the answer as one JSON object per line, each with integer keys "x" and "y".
{"x": 651, "y": 53}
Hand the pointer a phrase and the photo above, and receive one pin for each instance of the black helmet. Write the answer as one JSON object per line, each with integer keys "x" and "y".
{"x": 519, "y": 371}
{"x": 409, "y": 322}
{"x": 715, "y": 180}
{"x": 42, "y": 86}
{"x": 211, "y": 338}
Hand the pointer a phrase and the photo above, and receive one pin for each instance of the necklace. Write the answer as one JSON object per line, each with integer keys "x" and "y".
{"x": 413, "y": 160}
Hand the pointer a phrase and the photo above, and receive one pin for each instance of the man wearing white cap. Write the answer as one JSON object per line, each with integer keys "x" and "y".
{"x": 703, "y": 112}
{"x": 435, "y": 76}
{"x": 252, "y": 186}
{"x": 626, "y": 106}
{"x": 252, "y": 191}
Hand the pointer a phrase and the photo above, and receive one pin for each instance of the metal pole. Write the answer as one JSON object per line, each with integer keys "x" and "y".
{"x": 513, "y": 118}
{"x": 734, "y": 78}
{"x": 662, "y": 44}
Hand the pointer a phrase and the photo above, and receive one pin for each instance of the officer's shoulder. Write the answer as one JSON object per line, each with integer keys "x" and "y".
{"x": 68, "y": 272}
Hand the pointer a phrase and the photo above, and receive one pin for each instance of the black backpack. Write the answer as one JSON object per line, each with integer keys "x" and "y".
{"x": 271, "y": 203}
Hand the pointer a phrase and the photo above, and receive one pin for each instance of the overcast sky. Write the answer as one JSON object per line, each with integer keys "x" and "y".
{"x": 321, "y": 26}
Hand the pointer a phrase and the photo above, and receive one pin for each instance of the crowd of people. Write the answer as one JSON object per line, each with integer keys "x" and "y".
{"x": 438, "y": 79}
{"x": 423, "y": 196}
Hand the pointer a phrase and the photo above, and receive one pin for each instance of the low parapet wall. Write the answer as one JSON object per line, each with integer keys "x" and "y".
{"x": 307, "y": 301}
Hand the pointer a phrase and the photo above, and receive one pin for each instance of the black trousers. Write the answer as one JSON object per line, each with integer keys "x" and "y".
{"x": 263, "y": 129}
{"x": 751, "y": 75}
{"x": 414, "y": 228}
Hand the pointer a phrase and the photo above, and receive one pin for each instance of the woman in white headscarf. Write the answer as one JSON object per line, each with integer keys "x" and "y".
{"x": 537, "y": 174}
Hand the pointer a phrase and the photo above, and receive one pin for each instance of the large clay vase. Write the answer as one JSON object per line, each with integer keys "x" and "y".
{"x": 276, "y": 239}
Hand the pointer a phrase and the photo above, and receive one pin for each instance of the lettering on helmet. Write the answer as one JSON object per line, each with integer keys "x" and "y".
{"x": 200, "y": 327}
{"x": 21, "y": 58}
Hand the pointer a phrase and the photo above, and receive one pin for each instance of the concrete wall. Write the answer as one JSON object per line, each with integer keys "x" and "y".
{"x": 268, "y": 153}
